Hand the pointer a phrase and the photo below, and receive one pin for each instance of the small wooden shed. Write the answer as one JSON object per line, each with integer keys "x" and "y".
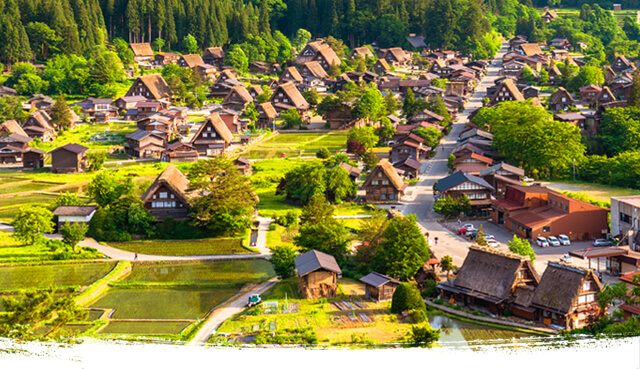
{"x": 318, "y": 275}
{"x": 379, "y": 287}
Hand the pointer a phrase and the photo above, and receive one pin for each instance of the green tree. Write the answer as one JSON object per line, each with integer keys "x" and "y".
{"x": 225, "y": 197}
{"x": 106, "y": 187}
{"x": 406, "y": 297}
{"x": 370, "y": 235}
{"x": 311, "y": 96}
{"x": 73, "y": 233}
{"x": 322, "y": 232}
{"x": 66, "y": 198}
{"x": 424, "y": 336}
{"x": 365, "y": 135}
{"x": 282, "y": 260}
{"x": 390, "y": 103}
{"x": 386, "y": 130}
{"x": 263, "y": 21}
{"x": 588, "y": 75}
{"x": 323, "y": 153}
{"x": 480, "y": 240}
{"x": 60, "y": 113}
{"x": 158, "y": 44}
{"x": 370, "y": 105}
{"x": 31, "y": 222}
{"x": 521, "y": 247}
{"x": 634, "y": 94}
{"x": 446, "y": 265}
{"x": 403, "y": 250}
{"x": 236, "y": 58}
{"x": 408, "y": 105}
{"x": 106, "y": 68}
{"x": 301, "y": 38}
{"x": 96, "y": 160}
{"x": 11, "y": 108}
{"x": 190, "y": 44}
{"x": 42, "y": 38}
{"x": 370, "y": 160}
{"x": 291, "y": 118}
{"x": 251, "y": 113}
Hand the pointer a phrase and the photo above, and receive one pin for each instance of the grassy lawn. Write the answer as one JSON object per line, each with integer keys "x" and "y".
{"x": 266, "y": 177}
{"x": 331, "y": 325}
{"x": 145, "y": 328}
{"x": 281, "y": 236}
{"x": 163, "y": 303}
{"x": 13, "y": 252}
{"x": 191, "y": 247}
{"x": 228, "y": 271}
{"x": 56, "y": 275}
{"x": 297, "y": 144}
{"x": 354, "y": 209}
{"x": 83, "y": 134}
{"x": 26, "y": 187}
{"x": 596, "y": 191}
{"x": 30, "y": 199}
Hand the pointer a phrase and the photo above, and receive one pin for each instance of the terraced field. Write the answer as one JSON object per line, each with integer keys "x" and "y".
{"x": 190, "y": 247}
{"x": 56, "y": 275}
{"x": 229, "y": 271}
{"x": 145, "y": 328}
{"x": 298, "y": 144}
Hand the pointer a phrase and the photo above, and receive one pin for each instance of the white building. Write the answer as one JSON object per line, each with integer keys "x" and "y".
{"x": 74, "y": 214}
{"x": 624, "y": 220}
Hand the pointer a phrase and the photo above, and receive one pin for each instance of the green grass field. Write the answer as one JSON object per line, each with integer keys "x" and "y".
{"x": 597, "y": 191}
{"x": 191, "y": 247}
{"x": 145, "y": 328}
{"x": 83, "y": 133}
{"x": 30, "y": 199}
{"x": 297, "y": 144}
{"x": 619, "y": 15}
{"x": 26, "y": 187}
{"x": 163, "y": 303}
{"x": 228, "y": 271}
{"x": 57, "y": 275}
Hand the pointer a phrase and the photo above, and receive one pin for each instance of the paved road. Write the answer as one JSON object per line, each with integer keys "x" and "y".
{"x": 225, "y": 312}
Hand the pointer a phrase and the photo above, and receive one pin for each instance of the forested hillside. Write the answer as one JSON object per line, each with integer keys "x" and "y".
{"x": 37, "y": 29}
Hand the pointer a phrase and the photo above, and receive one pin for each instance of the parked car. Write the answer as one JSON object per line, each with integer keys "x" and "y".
{"x": 493, "y": 243}
{"x": 489, "y": 237}
{"x": 466, "y": 227}
{"x": 471, "y": 233}
{"x": 542, "y": 242}
{"x": 567, "y": 259}
{"x": 254, "y": 300}
{"x": 528, "y": 179}
{"x": 553, "y": 241}
{"x": 564, "y": 240}
{"x": 602, "y": 242}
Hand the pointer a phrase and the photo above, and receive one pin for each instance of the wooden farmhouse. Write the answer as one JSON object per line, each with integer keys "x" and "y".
{"x": 363, "y": 52}
{"x": 384, "y": 183}
{"x": 567, "y": 296}
{"x": 74, "y": 214}
{"x": 266, "y": 115}
{"x": 167, "y": 196}
{"x": 464, "y": 184}
{"x": 144, "y": 144}
{"x": 286, "y": 96}
{"x": 501, "y": 175}
{"x": 621, "y": 64}
{"x": 38, "y": 125}
{"x": 179, "y": 152}
{"x": 381, "y": 67}
{"x": 379, "y": 287}
{"x": 318, "y": 275}
{"x": 237, "y": 99}
{"x": 493, "y": 280}
{"x": 166, "y": 58}
{"x": 561, "y": 100}
{"x": 33, "y": 158}
{"x": 151, "y": 86}
{"x": 506, "y": 91}
{"x": 190, "y": 61}
{"x": 213, "y": 137}
{"x": 70, "y": 158}
{"x": 13, "y": 147}
{"x": 142, "y": 52}
{"x": 291, "y": 74}
{"x": 213, "y": 56}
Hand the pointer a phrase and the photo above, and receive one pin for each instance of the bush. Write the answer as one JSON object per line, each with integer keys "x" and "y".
{"x": 418, "y": 316}
{"x": 438, "y": 301}
{"x": 430, "y": 288}
{"x": 406, "y": 297}
{"x": 424, "y": 336}
{"x": 323, "y": 153}
{"x": 273, "y": 226}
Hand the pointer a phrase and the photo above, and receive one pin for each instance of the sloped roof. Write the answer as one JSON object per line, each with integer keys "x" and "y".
{"x": 138, "y": 135}
{"x": 329, "y": 55}
{"x": 491, "y": 272}
{"x": 215, "y": 52}
{"x": 398, "y": 54}
{"x": 143, "y": 49}
{"x": 42, "y": 118}
{"x": 458, "y": 178}
{"x": 219, "y": 126}
{"x": 473, "y": 155}
{"x": 316, "y": 69}
{"x": 410, "y": 162}
{"x": 560, "y": 284}
{"x": 192, "y": 60}
{"x": 354, "y": 171}
{"x": 257, "y": 89}
{"x": 75, "y": 210}
{"x": 508, "y": 167}
{"x": 391, "y": 174}
{"x": 313, "y": 260}
{"x": 607, "y": 91}
{"x": 72, "y": 147}
{"x": 242, "y": 92}
{"x": 156, "y": 85}
{"x": 13, "y": 126}
{"x": 269, "y": 110}
{"x": 511, "y": 88}
{"x": 476, "y": 132}
{"x": 531, "y": 49}
{"x": 228, "y": 74}
{"x": 376, "y": 279}
{"x": 384, "y": 64}
{"x": 363, "y": 51}
{"x": 293, "y": 73}
{"x": 559, "y": 94}
{"x": 416, "y": 41}
{"x": 294, "y": 94}
{"x": 172, "y": 178}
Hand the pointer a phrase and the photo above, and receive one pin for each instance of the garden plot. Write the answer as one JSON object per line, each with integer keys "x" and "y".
{"x": 186, "y": 247}
{"x": 297, "y": 144}
{"x": 228, "y": 271}
{"x": 54, "y": 275}
{"x": 163, "y": 303}
{"x": 145, "y": 328}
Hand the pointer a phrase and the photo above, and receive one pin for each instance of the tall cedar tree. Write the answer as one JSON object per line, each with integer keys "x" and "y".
{"x": 225, "y": 197}
{"x": 60, "y": 113}
{"x": 634, "y": 95}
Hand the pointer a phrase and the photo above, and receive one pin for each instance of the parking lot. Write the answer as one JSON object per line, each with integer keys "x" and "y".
{"x": 457, "y": 245}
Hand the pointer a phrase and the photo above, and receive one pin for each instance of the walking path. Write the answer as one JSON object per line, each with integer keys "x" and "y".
{"x": 231, "y": 308}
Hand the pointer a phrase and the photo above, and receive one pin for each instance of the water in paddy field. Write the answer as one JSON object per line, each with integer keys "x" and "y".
{"x": 461, "y": 334}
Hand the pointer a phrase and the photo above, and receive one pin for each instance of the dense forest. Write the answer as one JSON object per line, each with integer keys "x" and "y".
{"x": 37, "y": 29}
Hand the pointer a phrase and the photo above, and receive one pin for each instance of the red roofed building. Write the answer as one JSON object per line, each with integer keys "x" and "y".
{"x": 532, "y": 211}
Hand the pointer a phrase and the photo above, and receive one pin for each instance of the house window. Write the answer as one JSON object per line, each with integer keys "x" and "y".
{"x": 625, "y": 218}
{"x": 208, "y": 129}
{"x": 379, "y": 174}
{"x": 564, "y": 99}
{"x": 173, "y": 196}
{"x": 546, "y": 229}
{"x": 163, "y": 195}
{"x": 586, "y": 286}
{"x": 205, "y": 134}
{"x": 276, "y": 100}
{"x": 375, "y": 183}
{"x": 584, "y": 299}
{"x": 383, "y": 197}
{"x": 385, "y": 182}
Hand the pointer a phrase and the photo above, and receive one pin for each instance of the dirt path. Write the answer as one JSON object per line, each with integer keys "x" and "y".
{"x": 225, "y": 312}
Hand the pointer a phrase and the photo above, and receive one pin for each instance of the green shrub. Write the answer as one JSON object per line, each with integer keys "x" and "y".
{"x": 438, "y": 301}
{"x": 430, "y": 288}
{"x": 406, "y": 297}
{"x": 418, "y": 316}
{"x": 273, "y": 226}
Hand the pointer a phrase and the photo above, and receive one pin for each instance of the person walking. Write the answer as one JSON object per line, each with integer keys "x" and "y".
{"x": 135, "y": 256}
{"x": 436, "y": 240}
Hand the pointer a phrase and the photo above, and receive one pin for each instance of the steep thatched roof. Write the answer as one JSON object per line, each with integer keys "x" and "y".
{"x": 531, "y": 49}
{"x": 11, "y": 126}
{"x": 172, "y": 178}
{"x": 390, "y": 172}
{"x": 560, "y": 285}
{"x": 156, "y": 85}
{"x": 315, "y": 69}
{"x": 192, "y": 60}
{"x": 143, "y": 49}
{"x": 491, "y": 272}
{"x": 221, "y": 128}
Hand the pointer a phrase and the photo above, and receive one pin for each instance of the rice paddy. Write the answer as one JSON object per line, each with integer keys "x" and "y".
{"x": 229, "y": 271}
{"x": 298, "y": 144}
{"x": 145, "y": 328}
{"x": 219, "y": 246}
{"x": 55, "y": 275}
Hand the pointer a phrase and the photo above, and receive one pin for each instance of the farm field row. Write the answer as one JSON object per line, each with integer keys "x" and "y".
{"x": 214, "y": 246}
{"x": 294, "y": 145}
{"x": 53, "y": 275}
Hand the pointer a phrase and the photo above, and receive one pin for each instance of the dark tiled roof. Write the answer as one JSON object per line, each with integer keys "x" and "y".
{"x": 458, "y": 178}
{"x": 376, "y": 279}
{"x": 313, "y": 260}
{"x": 73, "y": 147}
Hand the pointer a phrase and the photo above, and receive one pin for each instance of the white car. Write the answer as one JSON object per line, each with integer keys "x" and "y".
{"x": 567, "y": 259}
{"x": 489, "y": 237}
{"x": 468, "y": 226}
{"x": 542, "y": 242}
{"x": 564, "y": 240}
{"x": 493, "y": 243}
{"x": 553, "y": 241}
{"x": 528, "y": 179}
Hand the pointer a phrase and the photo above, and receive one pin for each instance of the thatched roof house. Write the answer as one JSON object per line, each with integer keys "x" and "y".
{"x": 167, "y": 196}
